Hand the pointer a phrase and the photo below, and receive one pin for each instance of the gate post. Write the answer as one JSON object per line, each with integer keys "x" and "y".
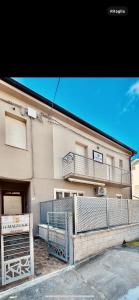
{"x": 31, "y": 243}
{"x": 70, "y": 238}
{"x": 75, "y": 213}
{"x": 107, "y": 212}
{"x": 2, "y": 261}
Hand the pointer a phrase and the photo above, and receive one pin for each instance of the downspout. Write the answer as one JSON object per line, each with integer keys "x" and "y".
{"x": 130, "y": 176}
{"x": 32, "y": 163}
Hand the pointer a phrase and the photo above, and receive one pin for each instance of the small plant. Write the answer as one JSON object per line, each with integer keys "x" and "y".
{"x": 124, "y": 243}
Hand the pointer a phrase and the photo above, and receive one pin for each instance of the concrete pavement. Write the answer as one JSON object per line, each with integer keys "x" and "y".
{"x": 108, "y": 276}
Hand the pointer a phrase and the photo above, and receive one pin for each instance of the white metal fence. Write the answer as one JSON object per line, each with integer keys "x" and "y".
{"x": 98, "y": 213}
{"x": 93, "y": 213}
{"x": 17, "y": 253}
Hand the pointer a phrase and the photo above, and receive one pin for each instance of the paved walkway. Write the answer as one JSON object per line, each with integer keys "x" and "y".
{"x": 45, "y": 263}
{"x": 109, "y": 276}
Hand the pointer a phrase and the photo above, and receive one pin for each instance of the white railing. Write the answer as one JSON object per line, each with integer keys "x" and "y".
{"x": 80, "y": 165}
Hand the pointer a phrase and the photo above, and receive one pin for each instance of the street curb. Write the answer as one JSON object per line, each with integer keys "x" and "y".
{"x": 33, "y": 282}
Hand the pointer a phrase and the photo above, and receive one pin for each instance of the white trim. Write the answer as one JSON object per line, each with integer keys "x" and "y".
{"x": 119, "y": 195}
{"x": 85, "y": 181}
{"x": 66, "y": 191}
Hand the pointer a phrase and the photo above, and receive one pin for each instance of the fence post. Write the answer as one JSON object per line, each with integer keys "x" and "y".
{"x": 70, "y": 238}
{"x": 128, "y": 210}
{"x": 75, "y": 214}
{"x": 2, "y": 256}
{"x": 107, "y": 213}
{"x": 31, "y": 243}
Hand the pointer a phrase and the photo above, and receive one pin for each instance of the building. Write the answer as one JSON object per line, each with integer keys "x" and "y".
{"x": 135, "y": 178}
{"x": 46, "y": 152}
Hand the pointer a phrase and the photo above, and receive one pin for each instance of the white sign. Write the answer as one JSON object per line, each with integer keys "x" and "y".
{"x": 14, "y": 224}
{"x": 98, "y": 156}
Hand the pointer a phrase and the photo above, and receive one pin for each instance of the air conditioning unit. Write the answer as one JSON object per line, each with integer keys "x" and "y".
{"x": 100, "y": 191}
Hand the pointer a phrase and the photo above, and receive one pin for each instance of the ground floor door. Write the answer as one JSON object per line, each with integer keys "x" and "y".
{"x": 12, "y": 204}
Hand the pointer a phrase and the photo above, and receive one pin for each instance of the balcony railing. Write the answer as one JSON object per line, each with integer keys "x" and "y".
{"x": 79, "y": 165}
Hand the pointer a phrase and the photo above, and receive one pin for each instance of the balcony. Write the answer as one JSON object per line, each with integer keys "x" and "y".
{"x": 80, "y": 167}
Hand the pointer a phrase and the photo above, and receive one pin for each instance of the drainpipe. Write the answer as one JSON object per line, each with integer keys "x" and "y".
{"x": 130, "y": 177}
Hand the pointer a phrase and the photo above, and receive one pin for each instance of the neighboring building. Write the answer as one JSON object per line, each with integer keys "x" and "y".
{"x": 46, "y": 152}
{"x": 135, "y": 178}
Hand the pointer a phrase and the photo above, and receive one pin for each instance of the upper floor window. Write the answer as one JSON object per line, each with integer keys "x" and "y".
{"x": 120, "y": 163}
{"x": 15, "y": 133}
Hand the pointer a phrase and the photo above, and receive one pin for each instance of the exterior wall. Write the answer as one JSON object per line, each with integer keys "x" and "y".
{"x": 47, "y": 143}
{"x": 70, "y": 139}
{"x": 92, "y": 243}
{"x": 135, "y": 178}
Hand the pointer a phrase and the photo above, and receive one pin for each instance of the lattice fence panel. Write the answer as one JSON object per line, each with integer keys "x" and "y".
{"x": 117, "y": 211}
{"x": 133, "y": 211}
{"x": 45, "y": 207}
{"x": 90, "y": 214}
{"x": 60, "y": 205}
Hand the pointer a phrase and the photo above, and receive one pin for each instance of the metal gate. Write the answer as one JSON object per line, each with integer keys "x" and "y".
{"x": 17, "y": 253}
{"x": 60, "y": 232}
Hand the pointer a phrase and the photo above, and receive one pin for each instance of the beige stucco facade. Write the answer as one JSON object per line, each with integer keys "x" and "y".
{"x": 135, "y": 178}
{"x": 49, "y": 137}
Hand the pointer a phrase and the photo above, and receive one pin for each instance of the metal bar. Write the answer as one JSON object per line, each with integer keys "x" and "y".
{"x": 70, "y": 238}
{"x": 74, "y": 158}
{"x": 128, "y": 210}
{"x": 75, "y": 213}
{"x": 14, "y": 249}
{"x": 31, "y": 243}
{"x": 15, "y": 244}
{"x": 2, "y": 261}
{"x": 66, "y": 235}
{"x": 16, "y": 253}
{"x": 107, "y": 213}
{"x": 16, "y": 239}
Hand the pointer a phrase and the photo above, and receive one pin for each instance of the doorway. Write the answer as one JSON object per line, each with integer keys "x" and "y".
{"x": 12, "y": 204}
{"x": 14, "y": 197}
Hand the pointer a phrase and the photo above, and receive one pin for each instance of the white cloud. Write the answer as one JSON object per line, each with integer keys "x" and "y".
{"x": 134, "y": 89}
{"x": 133, "y": 96}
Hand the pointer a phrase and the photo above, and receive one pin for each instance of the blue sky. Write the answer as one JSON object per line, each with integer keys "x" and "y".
{"x": 111, "y": 104}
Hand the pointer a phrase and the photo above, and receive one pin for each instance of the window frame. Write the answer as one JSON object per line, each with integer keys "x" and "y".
{"x": 121, "y": 160}
{"x": 67, "y": 191}
{"x": 18, "y": 118}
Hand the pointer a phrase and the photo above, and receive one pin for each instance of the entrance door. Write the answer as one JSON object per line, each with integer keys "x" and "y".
{"x": 12, "y": 204}
{"x": 109, "y": 167}
{"x": 80, "y": 160}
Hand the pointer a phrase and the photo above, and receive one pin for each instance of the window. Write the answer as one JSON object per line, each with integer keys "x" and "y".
{"x": 120, "y": 163}
{"x": 118, "y": 196}
{"x": 66, "y": 194}
{"x": 15, "y": 131}
{"x": 62, "y": 193}
{"x": 58, "y": 195}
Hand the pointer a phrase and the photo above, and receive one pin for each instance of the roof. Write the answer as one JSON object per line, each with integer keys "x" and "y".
{"x": 40, "y": 98}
